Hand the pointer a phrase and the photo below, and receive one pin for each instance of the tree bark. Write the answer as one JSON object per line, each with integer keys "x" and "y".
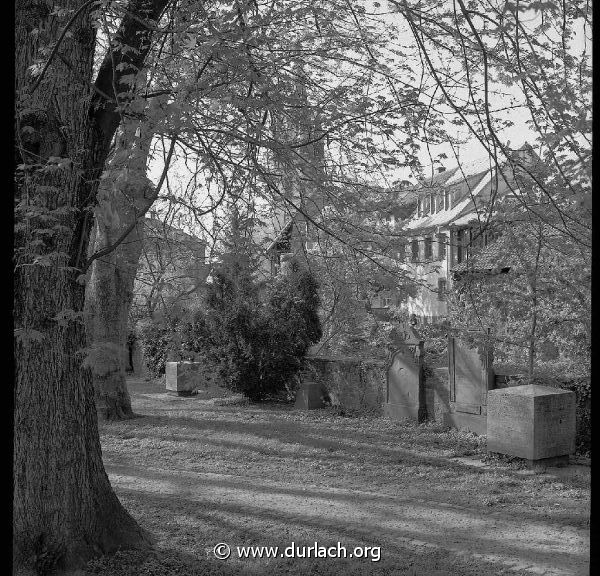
{"x": 109, "y": 294}
{"x": 64, "y": 509}
{"x": 124, "y": 193}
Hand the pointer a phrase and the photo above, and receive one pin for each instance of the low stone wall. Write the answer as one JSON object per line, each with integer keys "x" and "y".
{"x": 352, "y": 383}
{"x": 360, "y": 384}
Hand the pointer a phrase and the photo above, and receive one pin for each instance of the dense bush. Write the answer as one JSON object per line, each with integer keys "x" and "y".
{"x": 255, "y": 340}
{"x": 583, "y": 437}
{"x": 160, "y": 341}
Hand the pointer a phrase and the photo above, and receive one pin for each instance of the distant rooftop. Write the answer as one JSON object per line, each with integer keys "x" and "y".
{"x": 162, "y": 230}
{"x": 467, "y": 184}
{"x": 491, "y": 257}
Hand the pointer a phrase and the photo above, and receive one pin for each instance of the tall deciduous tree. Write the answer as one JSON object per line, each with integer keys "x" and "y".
{"x": 64, "y": 509}
{"x": 124, "y": 194}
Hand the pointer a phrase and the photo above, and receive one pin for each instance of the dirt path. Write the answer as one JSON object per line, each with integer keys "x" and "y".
{"x": 199, "y": 471}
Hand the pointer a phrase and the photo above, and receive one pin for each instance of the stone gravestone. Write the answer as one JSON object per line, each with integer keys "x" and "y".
{"x": 405, "y": 380}
{"x": 470, "y": 376}
{"x": 182, "y": 378}
{"x": 532, "y": 422}
{"x": 310, "y": 396}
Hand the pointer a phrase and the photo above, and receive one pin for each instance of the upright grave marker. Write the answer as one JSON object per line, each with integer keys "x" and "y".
{"x": 470, "y": 376}
{"x": 405, "y": 385}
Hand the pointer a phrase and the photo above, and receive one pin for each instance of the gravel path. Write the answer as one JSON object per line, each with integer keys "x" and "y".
{"x": 208, "y": 469}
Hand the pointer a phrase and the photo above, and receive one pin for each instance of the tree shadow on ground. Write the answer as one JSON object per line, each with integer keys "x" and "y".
{"x": 469, "y": 549}
{"x": 318, "y": 434}
{"x": 382, "y": 502}
{"x": 335, "y": 445}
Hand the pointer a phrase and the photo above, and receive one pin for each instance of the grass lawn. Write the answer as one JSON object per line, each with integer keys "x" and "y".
{"x": 211, "y": 468}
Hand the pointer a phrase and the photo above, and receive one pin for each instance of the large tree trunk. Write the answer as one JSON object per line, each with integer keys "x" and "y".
{"x": 124, "y": 194}
{"x": 109, "y": 295}
{"x": 64, "y": 509}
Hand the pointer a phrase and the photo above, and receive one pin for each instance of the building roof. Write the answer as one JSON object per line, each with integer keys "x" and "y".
{"x": 160, "y": 230}
{"x": 470, "y": 189}
{"x": 491, "y": 257}
{"x": 283, "y": 234}
{"x": 406, "y": 196}
{"x": 468, "y": 184}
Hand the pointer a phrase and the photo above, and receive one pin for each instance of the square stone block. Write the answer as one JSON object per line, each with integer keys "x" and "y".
{"x": 531, "y": 422}
{"x": 182, "y": 378}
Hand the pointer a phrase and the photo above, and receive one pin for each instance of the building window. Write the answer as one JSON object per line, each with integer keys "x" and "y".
{"x": 446, "y": 200}
{"x": 386, "y": 302}
{"x": 401, "y": 253}
{"x": 428, "y": 248}
{"x": 419, "y": 208}
{"x": 414, "y": 256}
{"x": 460, "y": 251}
{"x": 442, "y": 289}
{"x": 442, "y": 239}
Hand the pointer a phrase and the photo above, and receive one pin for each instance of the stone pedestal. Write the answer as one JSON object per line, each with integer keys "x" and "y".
{"x": 531, "y": 422}
{"x": 310, "y": 396}
{"x": 182, "y": 378}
